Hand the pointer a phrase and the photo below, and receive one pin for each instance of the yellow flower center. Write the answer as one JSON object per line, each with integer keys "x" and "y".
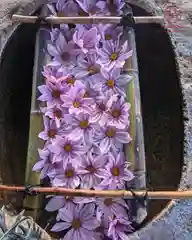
{"x": 57, "y": 113}
{"x": 86, "y": 95}
{"x": 114, "y": 56}
{"x": 76, "y": 224}
{"x": 108, "y": 201}
{"x": 65, "y": 56}
{"x": 70, "y": 81}
{"x": 68, "y": 147}
{"x": 108, "y": 37}
{"x": 110, "y": 132}
{"x": 56, "y": 94}
{"x": 101, "y": 106}
{"x": 115, "y": 171}
{"x": 76, "y": 104}
{"x": 52, "y": 133}
{"x": 84, "y": 124}
{"x": 91, "y": 169}
{"x": 110, "y": 83}
{"x": 116, "y": 113}
{"x": 69, "y": 173}
{"x": 92, "y": 70}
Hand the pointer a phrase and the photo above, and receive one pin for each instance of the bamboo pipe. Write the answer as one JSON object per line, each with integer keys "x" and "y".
{"x": 101, "y": 193}
{"x": 87, "y": 20}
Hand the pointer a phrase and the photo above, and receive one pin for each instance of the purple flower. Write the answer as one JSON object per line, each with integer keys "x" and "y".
{"x": 110, "y": 137}
{"x": 64, "y": 30}
{"x": 101, "y": 231}
{"x": 71, "y": 79}
{"x": 57, "y": 202}
{"x": 112, "y": 54}
{"x": 51, "y": 131}
{"x": 61, "y": 202}
{"x": 67, "y": 178}
{"x": 119, "y": 228}
{"x": 75, "y": 100}
{"x": 44, "y": 165}
{"x": 90, "y": 91}
{"x": 88, "y": 68}
{"x": 65, "y": 149}
{"x": 103, "y": 104}
{"x": 56, "y": 113}
{"x": 113, "y": 81}
{"x": 52, "y": 73}
{"x": 91, "y": 7}
{"x": 116, "y": 172}
{"x": 110, "y": 207}
{"x": 51, "y": 92}
{"x": 72, "y": 201}
{"x": 89, "y": 168}
{"x": 110, "y": 32}
{"x": 115, "y": 6}
{"x": 79, "y": 221}
{"x": 118, "y": 115}
{"x": 67, "y": 8}
{"x": 86, "y": 40}
{"x": 61, "y": 51}
{"x": 81, "y": 126}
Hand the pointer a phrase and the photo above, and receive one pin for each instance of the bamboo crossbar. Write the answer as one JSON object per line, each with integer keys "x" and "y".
{"x": 85, "y": 20}
{"x": 101, "y": 193}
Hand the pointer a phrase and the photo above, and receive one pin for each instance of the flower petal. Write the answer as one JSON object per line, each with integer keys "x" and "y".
{"x": 91, "y": 224}
{"x": 39, "y": 165}
{"x": 55, "y": 203}
{"x": 105, "y": 145}
{"x": 123, "y": 137}
{"x": 60, "y": 226}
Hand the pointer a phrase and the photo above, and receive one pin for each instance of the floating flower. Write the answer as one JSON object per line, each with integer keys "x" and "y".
{"x": 103, "y": 104}
{"x": 119, "y": 228}
{"x": 71, "y": 78}
{"x": 113, "y": 81}
{"x": 79, "y": 221}
{"x": 56, "y": 113}
{"x": 67, "y": 8}
{"x": 52, "y": 73}
{"x": 66, "y": 149}
{"x": 112, "y": 54}
{"x": 116, "y": 172}
{"x": 87, "y": 69}
{"x": 72, "y": 201}
{"x": 75, "y": 101}
{"x": 110, "y": 32}
{"x": 91, "y": 7}
{"x": 61, "y": 202}
{"x": 57, "y": 202}
{"x": 51, "y": 92}
{"x": 115, "y": 6}
{"x": 61, "y": 51}
{"x": 86, "y": 40}
{"x": 64, "y": 30}
{"x": 110, "y": 137}
{"x": 67, "y": 178}
{"x": 51, "y": 131}
{"x": 118, "y": 115}
{"x": 89, "y": 168}
{"x": 44, "y": 165}
{"x": 90, "y": 92}
{"x": 81, "y": 126}
{"x": 112, "y": 206}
